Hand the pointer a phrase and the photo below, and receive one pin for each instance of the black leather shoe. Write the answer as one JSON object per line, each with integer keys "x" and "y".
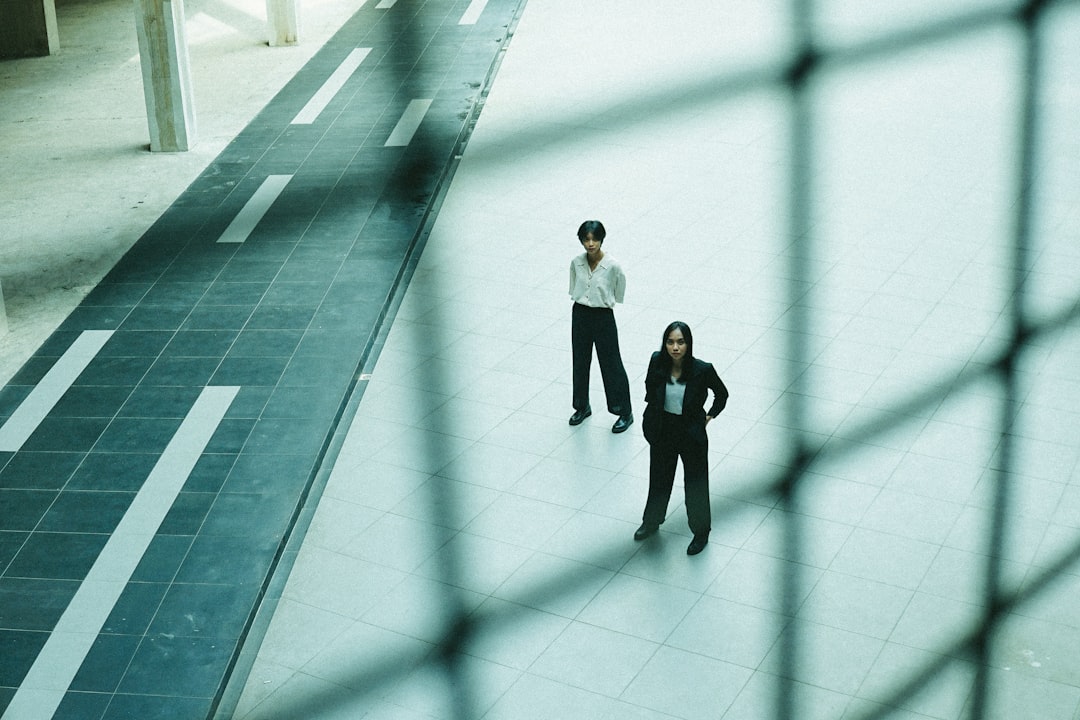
{"x": 645, "y": 531}
{"x": 579, "y": 416}
{"x": 697, "y": 544}
{"x": 622, "y": 423}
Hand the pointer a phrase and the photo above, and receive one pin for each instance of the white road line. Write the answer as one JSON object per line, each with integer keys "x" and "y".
{"x": 472, "y": 13}
{"x": 406, "y": 126}
{"x": 330, "y": 88}
{"x": 43, "y": 689}
{"x": 250, "y": 215}
{"x": 50, "y": 389}
{"x": 385, "y": 4}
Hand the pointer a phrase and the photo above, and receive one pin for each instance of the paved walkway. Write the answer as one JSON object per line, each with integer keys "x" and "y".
{"x": 469, "y": 554}
{"x": 156, "y": 451}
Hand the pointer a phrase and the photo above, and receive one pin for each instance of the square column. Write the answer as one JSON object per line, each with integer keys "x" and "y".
{"x": 284, "y": 22}
{"x": 166, "y": 73}
{"x": 27, "y": 28}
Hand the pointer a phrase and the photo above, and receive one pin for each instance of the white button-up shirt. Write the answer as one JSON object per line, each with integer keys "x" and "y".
{"x": 602, "y": 287}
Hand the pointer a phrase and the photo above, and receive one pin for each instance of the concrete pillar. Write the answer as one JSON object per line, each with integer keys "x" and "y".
{"x": 284, "y": 21}
{"x": 27, "y": 28}
{"x": 163, "y": 53}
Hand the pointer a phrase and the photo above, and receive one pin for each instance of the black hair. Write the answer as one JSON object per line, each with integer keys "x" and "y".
{"x": 592, "y": 226}
{"x": 688, "y": 359}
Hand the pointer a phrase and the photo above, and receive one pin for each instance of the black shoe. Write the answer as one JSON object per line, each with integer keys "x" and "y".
{"x": 697, "y": 544}
{"x": 645, "y": 531}
{"x": 579, "y": 416}
{"x": 622, "y": 423}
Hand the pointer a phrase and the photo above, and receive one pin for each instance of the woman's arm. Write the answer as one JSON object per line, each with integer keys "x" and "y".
{"x": 618, "y": 284}
{"x": 720, "y": 392}
{"x": 650, "y": 375}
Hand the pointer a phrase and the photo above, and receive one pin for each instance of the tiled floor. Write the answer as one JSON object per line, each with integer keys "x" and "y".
{"x": 460, "y": 484}
{"x": 457, "y": 489}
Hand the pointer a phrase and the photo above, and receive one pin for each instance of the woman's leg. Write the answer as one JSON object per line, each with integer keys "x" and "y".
{"x": 616, "y": 384}
{"x": 581, "y": 345}
{"x": 696, "y": 485}
{"x": 662, "y": 462}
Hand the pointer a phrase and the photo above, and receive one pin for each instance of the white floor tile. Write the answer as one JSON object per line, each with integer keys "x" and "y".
{"x": 513, "y": 635}
{"x": 936, "y": 624}
{"x": 637, "y": 607}
{"x": 339, "y": 584}
{"x": 687, "y": 685}
{"x": 911, "y": 516}
{"x": 663, "y": 559}
{"x": 520, "y": 521}
{"x": 446, "y": 503}
{"x": 944, "y": 694}
{"x": 829, "y": 658}
{"x": 427, "y": 691}
{"x": 537, "y": 698}
{"x": 371, "y": 483}
{"x": 476, "y": 563}
{"x": 863, "y": 606}
{"x": 758, "y": 699}
{"x": 728, "y": 631}
{"x": 1012, "y": 693}
{"x": 491, "y": 466}
{"x": 818, "y": 542}
{"x": 418, "y": 608}
{"x": 594, "y": 659}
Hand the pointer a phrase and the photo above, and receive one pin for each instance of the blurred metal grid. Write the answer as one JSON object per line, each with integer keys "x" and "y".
{"x": 797, "y": 75}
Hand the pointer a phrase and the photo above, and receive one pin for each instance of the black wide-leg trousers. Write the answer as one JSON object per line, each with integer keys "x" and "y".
{"x": 591, "y": 326}
{"x": 672, "y": 443}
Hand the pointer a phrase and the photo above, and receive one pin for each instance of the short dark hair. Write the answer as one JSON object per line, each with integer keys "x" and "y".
{"x": 591, "y": 226}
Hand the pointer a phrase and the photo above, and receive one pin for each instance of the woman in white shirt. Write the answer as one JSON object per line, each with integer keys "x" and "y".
{"x": 596, "y": 284}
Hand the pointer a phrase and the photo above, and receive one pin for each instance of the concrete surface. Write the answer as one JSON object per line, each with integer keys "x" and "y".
{"x": 80, "y": 185}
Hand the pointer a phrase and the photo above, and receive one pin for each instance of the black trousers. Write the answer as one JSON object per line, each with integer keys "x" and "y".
{"x": 591, "y": 326}
{"x": 674, "y": 442}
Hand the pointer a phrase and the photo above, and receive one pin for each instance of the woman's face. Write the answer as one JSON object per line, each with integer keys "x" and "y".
{"x": 676, "y": 345}
{"x": 591, "y": 245}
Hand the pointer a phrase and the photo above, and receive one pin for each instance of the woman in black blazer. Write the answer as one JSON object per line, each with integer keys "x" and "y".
{"x": 676, "y": 388}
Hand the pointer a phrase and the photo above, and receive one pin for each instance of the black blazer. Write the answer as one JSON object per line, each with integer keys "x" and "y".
{"x": 699, "y": 378}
